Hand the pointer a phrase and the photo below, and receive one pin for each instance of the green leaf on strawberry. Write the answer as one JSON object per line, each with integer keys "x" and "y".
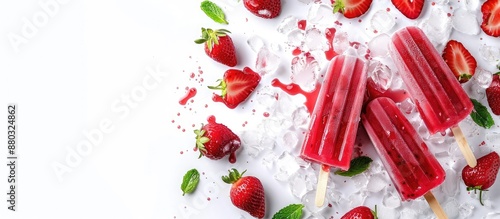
{"x": 190, "y": 181}
{"x": 357, "y": 166}
{"x": 213, "y": 11}
{"x": 481, "y": 116}
{"x": 293, "y": 211}
{"x": 201, "y": 140}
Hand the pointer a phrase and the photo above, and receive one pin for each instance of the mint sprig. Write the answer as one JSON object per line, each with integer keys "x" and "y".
{"x": 213, "y": 11}
{"x": 293, "y": 211}
{"x": 190, "y": 181}
{"x": 480, "y": 115}
{"x": 357, "y": 166}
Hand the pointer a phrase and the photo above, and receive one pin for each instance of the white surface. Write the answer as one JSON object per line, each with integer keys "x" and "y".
{"x": 124, "y": 65}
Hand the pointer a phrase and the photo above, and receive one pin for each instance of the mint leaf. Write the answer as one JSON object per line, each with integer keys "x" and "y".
{"x": 293, "y": 211}
{"x": 358, "y": 165}
{"x": 213, "y": 11}
{"x": 190, "y": 181}
{"x": 480, "y": 115}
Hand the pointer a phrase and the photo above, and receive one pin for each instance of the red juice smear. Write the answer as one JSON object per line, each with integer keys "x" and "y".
{"x": 330, "y": 34}
{"x": 302, "y": 24}
{"x": 294, "y": 89}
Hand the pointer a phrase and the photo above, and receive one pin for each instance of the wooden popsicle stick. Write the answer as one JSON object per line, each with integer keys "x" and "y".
{"x": 435, "y": 206}
{"x": 321, "y": 187}
{"x": 464, "y": 146}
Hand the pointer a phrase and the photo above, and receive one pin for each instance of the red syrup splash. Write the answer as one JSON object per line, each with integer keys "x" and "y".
{"x": 330, "y": 34}
{"x": 190, "y": 94}
{"x": 211, "y": 119}
{"x": 294, "y": 89}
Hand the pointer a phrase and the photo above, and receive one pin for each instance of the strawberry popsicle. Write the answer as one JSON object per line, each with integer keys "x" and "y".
{"x": 436, "y": 92}
{"x": 409, "y": 163}
{"x": 335, "y": 118}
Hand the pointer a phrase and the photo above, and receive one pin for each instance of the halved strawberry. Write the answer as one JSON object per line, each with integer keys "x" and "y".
{"x": 460, "y": 61}
{"x": 409, "y": 8}
{"x": 493, "y": 93}
{"x": 236, "y": 86}
{"x": 491, "y": 17}
{"x": 351, "y": 8}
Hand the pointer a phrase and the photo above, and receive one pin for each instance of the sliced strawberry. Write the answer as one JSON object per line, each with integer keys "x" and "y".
{"x": 491, "y": 17}
{"x": 351, "y": 8}
{"x": 218, "y": 46}
{"x": 460, "y": 61}
{"x": 409, "y": 8}
{"x": 236, "y": 86}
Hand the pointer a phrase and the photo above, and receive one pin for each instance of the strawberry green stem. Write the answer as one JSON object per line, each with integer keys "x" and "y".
{"x": 201, "y": 140}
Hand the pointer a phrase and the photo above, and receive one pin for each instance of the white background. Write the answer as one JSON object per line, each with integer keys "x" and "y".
{"x": 77, "y": 68}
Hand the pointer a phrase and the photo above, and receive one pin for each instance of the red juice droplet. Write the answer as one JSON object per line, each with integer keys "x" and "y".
{"x": 302, "y": 24}
{"x": 296, "y": 51}
{"x": 232, "y": 158}
{"x": 211, "y": 119}
{"x": 192, "y": 75}
{"x": 294, "y": 89}
{"x": 266, "y": 114}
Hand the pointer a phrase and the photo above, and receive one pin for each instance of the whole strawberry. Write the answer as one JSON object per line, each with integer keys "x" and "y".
{"x": 361, "y": 212}
{"x": 218, "y": 46}
{"x": 263, "y": 8}
{"x": 493, "y": 94}
{"x": 236, "y": 86}
{"x": 247, "y": 193}
{"x": 483, "y": 175}
{"x": 215, "y": 140}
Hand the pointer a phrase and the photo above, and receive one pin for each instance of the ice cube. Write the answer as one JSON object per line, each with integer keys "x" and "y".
{"x": 381, "y": 75}
{"x": 295, "y": 38}
{"x": 490, "y": 54}
{"x": 300, "y": 117}
{"x": 267, "y": 62}
{"x": 289, "y": 141}
{"x": 360, "y": 181}
{"x": 376, "y": 184}
{"x": 492, "y": 215}
{"x": 321, "y": 15}
{"x": 450, "y": 184}
{"x": 315, "y": 40}
{"x": 287, "y": 166}
{"x": 451, "y": 208}
{"x": 307, "y": 1}
{"x": 408, "y": 213}
{"x": 268, "y": 159}
{"x": 383, "y": 212}
{"x": 288, "y": 24}
{"x": 391, "y": 200}
{"x": 382, "y": 21}
{"x": 356, "y": 199}
{"x": 482, "y": 78}
{"x": 465, "y": 210}
{"x": 305, "y": 70}
{"x": 379, "y": 46}
{"x": 340, "y": 42}
{"x": 471, "y": 5}
{"x": 406, "y": 106}
{"x": 465, "y": 22}
{"x": 437, "y": 27}
{"x": 441, "y": 2}
{"x": 310, "y": 205}
{"x": 298, "y": 185}
{"x": 256, "y": 43}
